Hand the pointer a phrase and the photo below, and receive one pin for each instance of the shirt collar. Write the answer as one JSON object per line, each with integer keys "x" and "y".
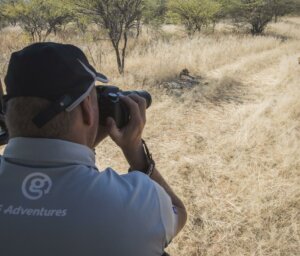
{"x": 48, "y": 151}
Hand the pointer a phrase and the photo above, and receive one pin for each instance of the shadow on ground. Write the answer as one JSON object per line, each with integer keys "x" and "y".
{"x": 198, "y": 89}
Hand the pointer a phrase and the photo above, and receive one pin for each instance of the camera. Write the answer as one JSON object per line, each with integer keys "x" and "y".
{"x": 110, "y": 104}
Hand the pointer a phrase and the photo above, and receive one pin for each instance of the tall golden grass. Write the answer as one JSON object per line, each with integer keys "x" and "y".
{"x": 229, "y": 148}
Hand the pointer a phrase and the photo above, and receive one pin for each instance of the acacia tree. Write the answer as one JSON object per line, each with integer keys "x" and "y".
{"x": 284, "y": 7}
{"x": 154, "y": 11}
{"x": 118, "y": 17}
{"x": 195, "y": 14}
{"x": 259, "y": 13}
{"x": 38, "y": 18}
{"x": 4, "y": 18}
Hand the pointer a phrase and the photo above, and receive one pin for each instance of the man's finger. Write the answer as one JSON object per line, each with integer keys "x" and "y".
{"x": 113, "y": 130}
{"x": 142, "y": 104}
{"x": 135, "y": 116}
{"x": 139, "y": 100}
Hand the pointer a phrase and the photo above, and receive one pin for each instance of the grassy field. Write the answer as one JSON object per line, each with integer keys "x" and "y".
{"x": 230, "y": 146}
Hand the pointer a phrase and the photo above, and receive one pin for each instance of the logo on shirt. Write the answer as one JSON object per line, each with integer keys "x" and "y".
{"x": 36, "y": 185}
{"x": 175, "y": 209}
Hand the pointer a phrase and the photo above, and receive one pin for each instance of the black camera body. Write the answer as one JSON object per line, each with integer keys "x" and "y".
{"x": 110, "y": 104}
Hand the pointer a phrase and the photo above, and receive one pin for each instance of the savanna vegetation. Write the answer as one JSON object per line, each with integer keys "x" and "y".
{"x": 227, "y": 137}
{"x": 118, "y": 19}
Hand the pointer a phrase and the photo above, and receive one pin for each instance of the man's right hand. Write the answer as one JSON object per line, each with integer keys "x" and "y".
{"x": 129, "y": 138}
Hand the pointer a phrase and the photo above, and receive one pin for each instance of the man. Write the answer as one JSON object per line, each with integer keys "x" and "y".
{"x": 53, "y": 199}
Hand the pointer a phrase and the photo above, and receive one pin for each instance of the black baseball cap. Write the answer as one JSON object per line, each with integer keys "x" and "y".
{"x": 60, "y": 73}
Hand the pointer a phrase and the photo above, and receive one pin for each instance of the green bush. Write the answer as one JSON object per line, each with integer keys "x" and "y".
{"x": 38, "y": 18}
{"x": 258, "y": 13}
{"x": 195, "y": 14}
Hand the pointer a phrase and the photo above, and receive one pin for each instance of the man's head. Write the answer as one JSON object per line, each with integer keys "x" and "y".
{"x": 51, "y": 93}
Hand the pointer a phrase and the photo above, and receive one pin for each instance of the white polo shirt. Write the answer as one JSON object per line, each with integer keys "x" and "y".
{"x": 54, "y": 201}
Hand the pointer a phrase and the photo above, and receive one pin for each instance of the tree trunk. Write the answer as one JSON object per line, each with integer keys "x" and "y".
{"x": 118, "y": 56}
{"x": 138, "y": 28}
{"x": 32, "y": 36}
{"x": 124, "y": 50}
{"x": 257, "y": 28}
{"x": 48, "y": 32}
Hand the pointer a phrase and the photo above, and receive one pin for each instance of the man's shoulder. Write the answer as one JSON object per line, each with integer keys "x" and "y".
{"x": 133, "y": 182}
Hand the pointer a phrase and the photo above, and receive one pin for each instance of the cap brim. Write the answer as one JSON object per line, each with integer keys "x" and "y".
{"x": 101, "y": 78}
{"x": 97, "y": 76}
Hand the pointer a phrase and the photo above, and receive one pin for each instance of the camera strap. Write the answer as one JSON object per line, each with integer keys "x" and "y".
{"x": 150, "y": 161}
{"x": 51, "y": 111}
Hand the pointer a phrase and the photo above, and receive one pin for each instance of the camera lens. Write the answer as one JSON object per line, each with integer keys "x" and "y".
{"x": 146, "y": 95}
{"x": 110, "y": 104}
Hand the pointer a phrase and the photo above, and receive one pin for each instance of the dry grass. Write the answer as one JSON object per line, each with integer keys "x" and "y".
{"x": 234, "y": 161}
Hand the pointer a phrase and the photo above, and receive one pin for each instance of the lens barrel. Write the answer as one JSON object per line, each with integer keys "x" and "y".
{"x": 144, "y": 94}
{"x": 110, "y": 104}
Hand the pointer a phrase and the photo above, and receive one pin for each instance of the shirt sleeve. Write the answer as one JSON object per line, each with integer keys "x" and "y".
{"x": 168, "y": 213}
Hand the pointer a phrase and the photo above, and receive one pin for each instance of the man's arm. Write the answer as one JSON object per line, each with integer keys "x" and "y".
{"x": 181, "y": 211}
{"x": 129, "y": 140}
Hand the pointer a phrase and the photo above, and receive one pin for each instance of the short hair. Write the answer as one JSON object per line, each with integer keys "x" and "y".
{"x": 21, "y": 110}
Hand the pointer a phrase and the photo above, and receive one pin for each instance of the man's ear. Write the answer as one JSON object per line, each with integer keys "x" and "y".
{"x": 87, "y": 111}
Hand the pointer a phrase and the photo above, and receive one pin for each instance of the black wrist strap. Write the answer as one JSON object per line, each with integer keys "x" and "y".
{"x": 150, "y": 161}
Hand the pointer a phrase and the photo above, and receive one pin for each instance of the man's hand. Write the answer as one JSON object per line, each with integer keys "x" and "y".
{"x": 129, "y": 137}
